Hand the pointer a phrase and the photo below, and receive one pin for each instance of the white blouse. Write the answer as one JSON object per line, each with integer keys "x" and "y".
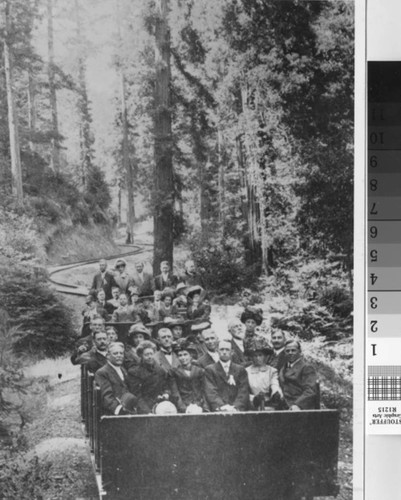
{"x": 261, "y": 379}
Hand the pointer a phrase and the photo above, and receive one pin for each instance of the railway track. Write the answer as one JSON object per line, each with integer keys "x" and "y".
{"x": 63, "y": 286}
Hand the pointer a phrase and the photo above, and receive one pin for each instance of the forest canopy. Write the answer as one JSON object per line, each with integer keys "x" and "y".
{"x": 229, "y": 122}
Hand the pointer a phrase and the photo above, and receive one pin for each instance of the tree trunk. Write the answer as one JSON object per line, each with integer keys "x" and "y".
{"x": 54, "y": 143}
{"x": 204, "y": 202}
{"x": 85, "y": 136}
{"x": 221, "y": 180}
{"x": 31, "y": 109}
{"x": 119, "y": 204}
{"x": 16, "y": 171}
{"x": 127, "y": 164}
{"x": 163, "y": 175}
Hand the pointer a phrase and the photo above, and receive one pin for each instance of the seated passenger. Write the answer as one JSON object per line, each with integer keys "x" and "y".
{"x": 196, "y": 336}
{"x": 125, "y": 313}
{"x": 297, "y": 379}
{"x": 136, "y": 335}
{"x": 189, "y": 380}
{"x": 176, "y": 327}
{"x": 166, "y": 279}
{"x": 112, "y": 334}
{"x": 94, "y": 357}
{"x": 89, "y": 311}
{"x": 251, "y": 318}
{"x": 149, "y": 381}
{"x": 112, "y": 380}
{"x": 157, "y": 304}
{"x": 85, "y": 343}
{"x": 180, "y": 303}
{"x": 263, "y": 379}
{"x": 195, "y": 309}
{"x": 166, "y": 357}
{"x": 166, "y": 306}
{"x": 226, "y": 384}
{"x": 237, "y": 332}
{"x": 102, "y": 308}
{"x": 277, "y": 360}
{"x": 113, "y": 303}
{"x": 146, "y": 310}
{"x": 211, "y": 355}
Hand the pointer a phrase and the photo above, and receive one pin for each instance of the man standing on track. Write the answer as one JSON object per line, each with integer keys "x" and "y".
{"x": 166, "y": 279}
{"x": 103, "y": 279}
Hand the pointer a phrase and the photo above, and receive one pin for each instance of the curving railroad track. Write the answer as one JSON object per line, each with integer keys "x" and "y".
{"x": 62, "y": 286}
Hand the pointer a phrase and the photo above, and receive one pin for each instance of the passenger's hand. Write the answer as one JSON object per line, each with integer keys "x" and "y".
{"x": 295, "y": 408}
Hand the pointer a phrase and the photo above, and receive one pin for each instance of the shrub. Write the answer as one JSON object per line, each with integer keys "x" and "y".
{"x": 221, "y": 262}
{"x": 44, "y": 323}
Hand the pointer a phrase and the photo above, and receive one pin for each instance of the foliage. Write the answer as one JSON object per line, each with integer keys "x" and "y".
{"x": 221, "y": 264}
{"x": 310, "y": 299}
{"x": 23, "y": 477}
{"x": 97, "y": 194}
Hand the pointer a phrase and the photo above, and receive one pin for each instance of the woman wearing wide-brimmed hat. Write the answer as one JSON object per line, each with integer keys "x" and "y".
{"x": 148, "y": 381}
{"x": 251, "y": 318}
{"x": 263, "y": 378}
{"x": 121, "y": 277}
{"x": 196, "y": 309}
{"x": 136, "y": 334}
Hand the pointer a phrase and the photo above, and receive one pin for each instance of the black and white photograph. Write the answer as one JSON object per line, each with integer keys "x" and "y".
{"x": 176, "y": 249}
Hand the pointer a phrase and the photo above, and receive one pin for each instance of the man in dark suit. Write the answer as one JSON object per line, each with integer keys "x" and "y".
{"x": 211, "y": 356}
{"x": 277, "y": 360}
{"x": 166, "y": 357}
{"x": 103, "y": 279}
{"x": 237, "y": 332}
{"x": 112, "y": 380}
{"x": 226, "y": 384}
{"x": 166, "y": 279}
{"x": 297, "y": 379}
{"x": 142, "y": 280}
{"x": 95, "y": 358}
{"x": 190, "y": 276}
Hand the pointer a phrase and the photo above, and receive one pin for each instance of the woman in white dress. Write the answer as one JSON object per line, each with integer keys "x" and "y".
{"x": 265, "y": 391}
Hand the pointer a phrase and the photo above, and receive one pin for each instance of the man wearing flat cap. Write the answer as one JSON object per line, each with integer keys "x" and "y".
{"x": 112, "y": 380}
{"x": 226, "y": 384}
